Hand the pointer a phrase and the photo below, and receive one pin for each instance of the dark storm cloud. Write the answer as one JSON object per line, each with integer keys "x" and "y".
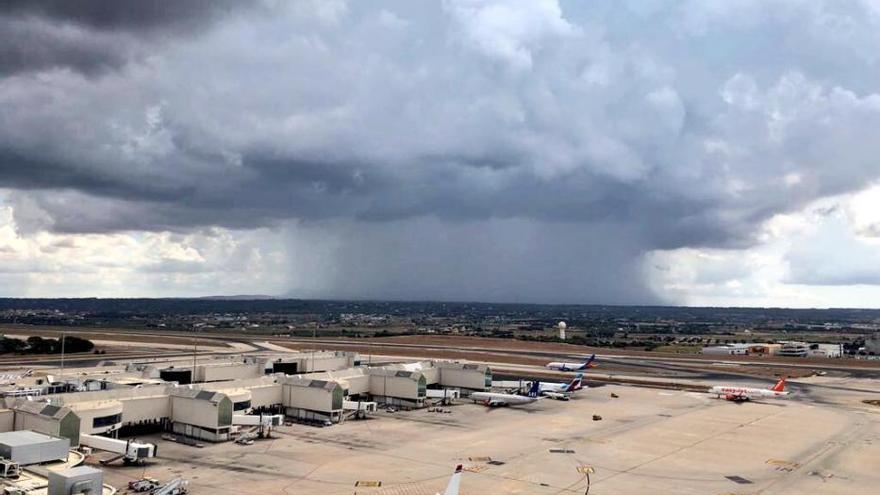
{"x": 94, "y": 36}
{"x": 34, "y": 45}
{"x": 523, "y": 119}
{"x": 21, "y": 171}
{"x": 515, "y": 260}
{"x": 125, "y": 14}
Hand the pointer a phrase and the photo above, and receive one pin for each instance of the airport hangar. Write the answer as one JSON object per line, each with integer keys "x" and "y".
{"x": 133, "y": 399}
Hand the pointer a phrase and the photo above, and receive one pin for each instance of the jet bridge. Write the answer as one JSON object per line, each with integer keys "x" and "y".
{"x": 130, "y": 451}
{"x": 358, "y": 409}
{"x": 268, "y": 420}
{"x": 260, "y": 426}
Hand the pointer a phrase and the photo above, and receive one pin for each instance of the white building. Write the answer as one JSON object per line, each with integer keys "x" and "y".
{"x": 804, "y": 349}
{"x": 726, "y": 350}
{"x": 825, "y": 350}
{"x": 204, "y": 410}
{"x": 794, "y": 349}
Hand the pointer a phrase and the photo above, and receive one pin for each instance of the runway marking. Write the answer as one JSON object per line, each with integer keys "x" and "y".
{"x": 739, "y": 480}
{"x": 368, "y": 483}
{"x": 405, "y": 489}
{"x": 476, "y": 469}
{"x": 596, "y": 440}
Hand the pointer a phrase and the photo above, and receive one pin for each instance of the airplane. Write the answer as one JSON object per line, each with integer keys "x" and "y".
{"x": 493, "y": 399}
{"x": 740, "y": 394}
{"x": 454, "y": 482}
{"x": 563, "y": 366}
{"x": 561, "y": 391}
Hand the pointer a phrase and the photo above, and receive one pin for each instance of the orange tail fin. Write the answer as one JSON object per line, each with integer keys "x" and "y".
{"x": 780, "y": 386}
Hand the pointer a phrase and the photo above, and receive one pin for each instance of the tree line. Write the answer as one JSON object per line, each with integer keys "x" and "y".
{"x": 40, "y": 345}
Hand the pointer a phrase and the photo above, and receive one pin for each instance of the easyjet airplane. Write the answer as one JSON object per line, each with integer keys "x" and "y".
{"x": 740, "y": 394}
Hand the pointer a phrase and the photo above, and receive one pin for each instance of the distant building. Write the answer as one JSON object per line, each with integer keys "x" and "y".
{"x": 726, "y": 350}
{"x": 753, "y": 349}
{"x": 872, "y": 345}
{"x": 785, "y": 349}
{"x": 794, "y": 349}
{"x": 825, "y": 350}
{"x": 764, "y": 349}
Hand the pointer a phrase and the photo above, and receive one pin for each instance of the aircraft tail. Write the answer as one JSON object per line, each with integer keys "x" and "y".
{"x": 576, "y": 383}
{"x": 454, "y": 482}
{"x": 780, "y": 386}
{"x": 535, "y": 389}
{"x": 590, "y": 362}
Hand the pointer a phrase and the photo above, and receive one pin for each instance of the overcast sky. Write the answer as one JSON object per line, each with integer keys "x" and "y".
{"x": 609, "y": 151}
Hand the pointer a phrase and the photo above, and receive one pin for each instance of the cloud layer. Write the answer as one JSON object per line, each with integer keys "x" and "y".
{"x": 525, "y": 150}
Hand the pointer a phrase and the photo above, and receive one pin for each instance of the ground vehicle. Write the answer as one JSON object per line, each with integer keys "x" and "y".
{"x": 143, "y": 484}
{"x": 177, "y": 486}
{"x": 9, "y": 469}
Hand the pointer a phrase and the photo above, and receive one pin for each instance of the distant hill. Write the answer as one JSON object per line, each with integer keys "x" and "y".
{"x": 243, "y": 297}
{"x": 572, "y": 313}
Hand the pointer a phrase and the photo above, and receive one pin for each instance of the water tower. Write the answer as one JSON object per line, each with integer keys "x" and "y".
{"x": 561, "y": 326}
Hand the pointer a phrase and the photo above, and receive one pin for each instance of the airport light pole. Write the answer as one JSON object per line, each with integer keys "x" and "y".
{"x": 314, "y": 337}
{"x": 63, "y": 338}
{"x": 587, "y": 471}
{"x": 195, "y": 350}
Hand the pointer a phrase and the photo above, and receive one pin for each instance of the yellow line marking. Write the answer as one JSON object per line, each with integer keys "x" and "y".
{"x": 783, "y": 465}
{"x": 476, "y": 469}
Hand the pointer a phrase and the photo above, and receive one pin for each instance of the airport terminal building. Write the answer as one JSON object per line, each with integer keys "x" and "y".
{"x": 136, "y": 398}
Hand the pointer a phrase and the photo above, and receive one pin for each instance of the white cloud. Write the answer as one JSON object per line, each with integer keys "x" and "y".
{"x": 509, "y": 31}
{"x": 209, "y": 261}
{"x": 826, "y": 255}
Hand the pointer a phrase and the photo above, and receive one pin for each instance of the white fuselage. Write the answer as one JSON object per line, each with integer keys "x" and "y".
{"x": 454, "y": 482}
{"x": 496, "y": 399}
{"x": 560, "y": 388}
{"x": 553, "y": 387}
{"x": 561, "y": 366}
{"x": 744, "y": 393}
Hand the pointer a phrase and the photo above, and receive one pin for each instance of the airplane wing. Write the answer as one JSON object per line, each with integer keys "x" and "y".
{"x": 454, "y": 482}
